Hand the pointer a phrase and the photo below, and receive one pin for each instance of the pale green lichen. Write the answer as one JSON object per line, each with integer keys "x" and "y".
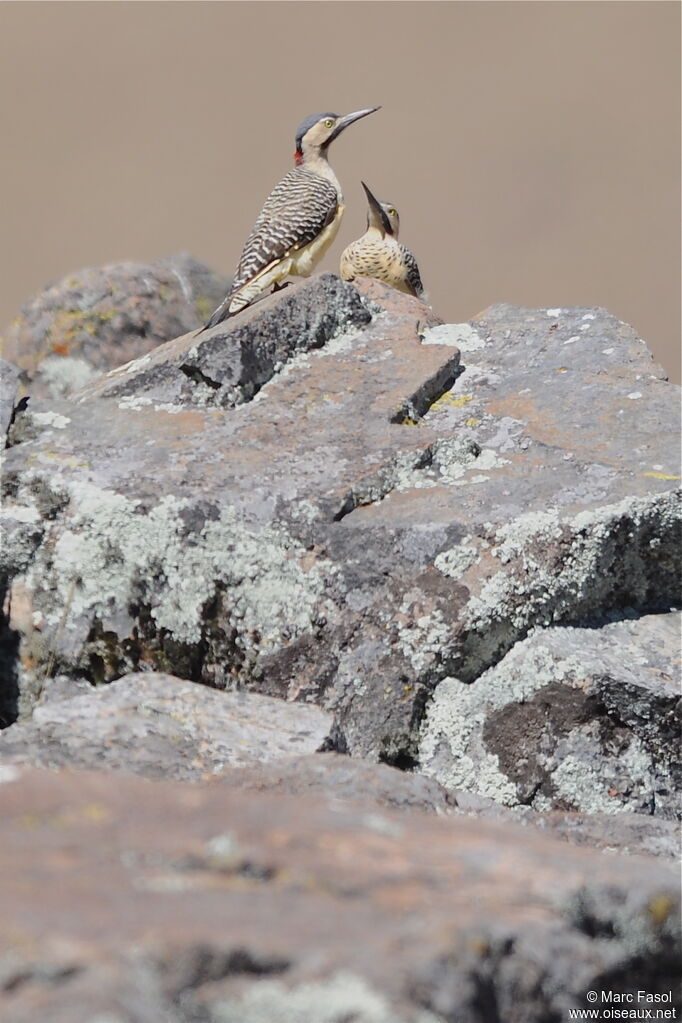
{"x": 339, "y": 998}
{"x": 454, "y": 335}
{"x": 456, "y": 560}
{"x": 64, "y": 374}
{"x": 422, "y": 637}
{"x": 52, "y": 419}
{"x": 580, "y": 770}
{"x": 109, "y": 554}
{"x": 587, "y": 787}
{"x": 591, "y": 555}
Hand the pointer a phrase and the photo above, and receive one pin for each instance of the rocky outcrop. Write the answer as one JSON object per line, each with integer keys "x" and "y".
{"x": 335, "y": 523}
{"x": 178, "y": 902}
{"x": 97, "y": 319}
{"x": 368, "y": 519}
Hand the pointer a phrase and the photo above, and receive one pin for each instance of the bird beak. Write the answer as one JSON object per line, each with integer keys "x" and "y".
{"x": 343, "y": 122}
{"x": 377, "y": 214}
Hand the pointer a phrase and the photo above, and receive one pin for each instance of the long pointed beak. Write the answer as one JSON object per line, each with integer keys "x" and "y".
{"x": 378, "y": 215}
{"x": 343, "y": 122}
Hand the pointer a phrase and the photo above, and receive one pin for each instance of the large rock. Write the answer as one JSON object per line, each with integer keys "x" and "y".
{"x": 96, "y": 319}
{"x": 161, "y": 727}
{"x": 342, "y": 778}
{"x": 141, "y": 901}
{"x": 375, "y": 519}
{"x": 579, "y": 719}
{"x": 229, "y": 364}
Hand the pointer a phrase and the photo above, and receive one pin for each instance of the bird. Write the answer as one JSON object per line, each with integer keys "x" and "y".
{"x": 299, "y": 219}
{"x": 379, "y": 254}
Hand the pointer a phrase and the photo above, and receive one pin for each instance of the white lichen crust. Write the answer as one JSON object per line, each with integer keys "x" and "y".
{"x": 109, "y": 555}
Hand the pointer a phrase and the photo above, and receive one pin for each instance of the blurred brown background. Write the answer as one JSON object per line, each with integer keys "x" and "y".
{"x": 532, "y": 148}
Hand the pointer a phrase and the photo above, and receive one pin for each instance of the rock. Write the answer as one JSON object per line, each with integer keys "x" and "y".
{"x": 632, "y": 833}
{"x": 96, "y": 319}
{"x": 367, "y": 522}
{"x": 344, "y": 778}
{"x": 571, "y": 718}
{"x": 629, "y": 833}
{"x": 9, "y": 386}
{"x": 341, "y": 778}
{"x": 223, "y": 905}
{"x": 229, "y": 364}
{"x": 162, "y": 727}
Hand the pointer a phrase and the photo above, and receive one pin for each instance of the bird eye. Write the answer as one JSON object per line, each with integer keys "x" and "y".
{"x": 329, "y": 122}
{"x": 393, "y": 213}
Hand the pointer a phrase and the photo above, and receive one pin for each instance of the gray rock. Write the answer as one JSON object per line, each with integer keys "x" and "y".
{"x": 372, "y": 521}
{"x": 230, "y": 363}
{"x": 342, "y": 778}
{"x": 251, "y": 906}
{"x": 571, "y": 718}
{"x": 98, "y": 318}
{"x": 162, "y": 727}
{"x": 629, "y": 833}
{"x": 9, "y": 386}
{"x": 348, "y": 780}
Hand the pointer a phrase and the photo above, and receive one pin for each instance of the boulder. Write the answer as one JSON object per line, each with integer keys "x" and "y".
{"x": 98, "y": 318}
{"x": 138, "y": 901}
{"x": 571, "y": 718}
{"x": 161, "y": 727}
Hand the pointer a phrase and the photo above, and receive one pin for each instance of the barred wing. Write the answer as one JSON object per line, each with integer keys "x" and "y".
{"x": 299, "y": 207}
{"x": 413, "y": 277}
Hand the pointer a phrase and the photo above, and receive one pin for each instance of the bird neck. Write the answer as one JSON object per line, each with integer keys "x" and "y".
{"x": 315, "y": 161}
{"x": 374, "y": 232}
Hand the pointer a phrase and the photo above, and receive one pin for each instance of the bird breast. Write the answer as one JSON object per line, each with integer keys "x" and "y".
{"x": 380, "y": 258}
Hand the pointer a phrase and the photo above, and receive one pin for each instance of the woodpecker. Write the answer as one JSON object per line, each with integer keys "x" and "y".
{"x": 379, "y": 253}
{"x": 299, "y": 220}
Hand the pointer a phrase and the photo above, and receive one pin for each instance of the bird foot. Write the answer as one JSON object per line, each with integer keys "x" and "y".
{"x": 280, "y": 287}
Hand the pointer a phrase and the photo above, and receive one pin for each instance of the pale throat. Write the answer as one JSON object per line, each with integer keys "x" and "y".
{"x": 318, "y": 163}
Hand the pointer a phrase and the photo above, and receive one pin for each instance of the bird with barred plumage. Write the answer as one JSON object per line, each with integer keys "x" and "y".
{"x": 379, "y": 254}
{"x": 299, "y": 220}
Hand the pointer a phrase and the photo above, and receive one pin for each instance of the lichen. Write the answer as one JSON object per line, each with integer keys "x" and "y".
{"x": 584, "y": 766}
{"x": 422, "y": 637}
{"x": 339, "y": 998}
{"x": 455, "y": 335}
{"x": 109, "y": 554}
{"x": 560, "y": 567}
{"x": 62, "y": 375}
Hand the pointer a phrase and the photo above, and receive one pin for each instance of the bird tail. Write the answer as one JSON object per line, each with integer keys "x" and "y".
{"x": 220, "y": 314}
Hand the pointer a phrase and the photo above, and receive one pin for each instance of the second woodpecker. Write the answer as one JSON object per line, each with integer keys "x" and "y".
{"x": 379, "y": 253}
{"x": 299, "y": 220}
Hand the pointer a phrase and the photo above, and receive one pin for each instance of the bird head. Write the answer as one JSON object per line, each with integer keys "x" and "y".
{"x": 382, "y": 215}
{"x": 318, "y": 131}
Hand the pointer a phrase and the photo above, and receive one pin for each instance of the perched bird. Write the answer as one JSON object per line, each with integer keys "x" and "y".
{"x": 379, "y": 253}
{"x": 299, "y": 220}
